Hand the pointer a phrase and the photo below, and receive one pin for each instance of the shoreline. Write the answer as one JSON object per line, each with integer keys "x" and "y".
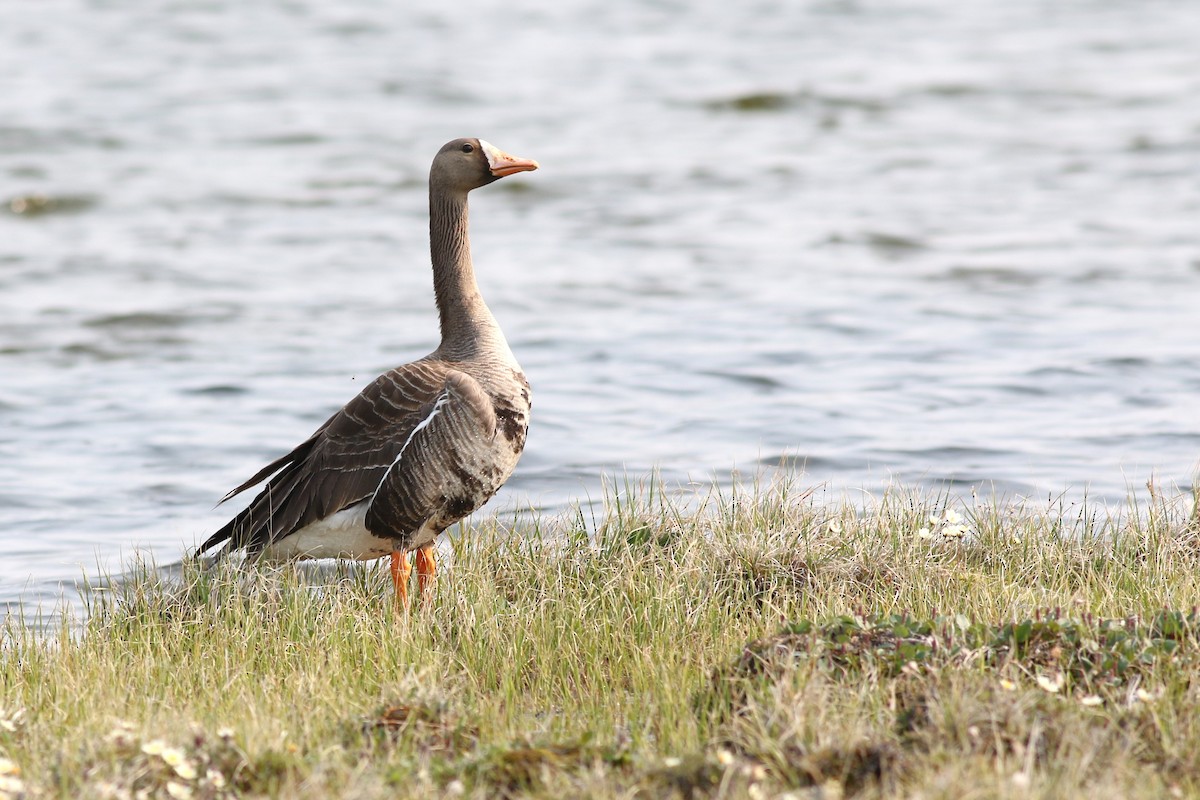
{"x": 758, "y": 644}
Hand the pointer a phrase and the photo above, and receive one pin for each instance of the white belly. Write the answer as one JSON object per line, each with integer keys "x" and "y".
{"x": 340, "y": 535}
{"x": 343, "y": 534}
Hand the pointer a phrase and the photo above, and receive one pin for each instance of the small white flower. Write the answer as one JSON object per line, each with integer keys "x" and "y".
{"x": 215, "y": 778}
{"x": 225, "y": 732}
{"x": 1007, "y": 685}
{"x": 154, "y": 747}
{"x": 724, "y": 758}
{"x": 670, "y": 762}
{"x": 1144, "y": 696}
{"x": 173, "y": 756}
{"x": 834, "y": 526}
{"x": 1091, "y": 700}
{"x": 951, "y": 517}
{"x": 9, "y": 767}
{"x": 1053, "y": 685}
{"x": 456, "y": 788}
{"x": 179, "y": 791}
{"x": 11, "y": 786}
{"x": 955, "y": 530}
{"x": 924, "y": 533}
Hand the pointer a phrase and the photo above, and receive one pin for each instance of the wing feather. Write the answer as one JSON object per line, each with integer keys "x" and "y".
{"x": 435, "y": 475}
{"x": 341, "y": 464}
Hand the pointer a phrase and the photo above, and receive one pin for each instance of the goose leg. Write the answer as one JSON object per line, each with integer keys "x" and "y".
{"x": 400, "y": 574}
{"x": 426, "y": 569}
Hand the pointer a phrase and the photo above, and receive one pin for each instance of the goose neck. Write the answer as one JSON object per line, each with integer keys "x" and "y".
{"x": 461, "y": 311}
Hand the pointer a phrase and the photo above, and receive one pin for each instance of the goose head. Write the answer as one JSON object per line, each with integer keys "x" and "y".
{"x": 466, "y": 164}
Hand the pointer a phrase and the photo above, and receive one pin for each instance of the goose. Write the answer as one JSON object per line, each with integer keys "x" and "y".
{"x": 422, "y": 446}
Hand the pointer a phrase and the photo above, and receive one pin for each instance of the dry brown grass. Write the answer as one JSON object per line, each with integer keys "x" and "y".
{"x": 753, "y": 644}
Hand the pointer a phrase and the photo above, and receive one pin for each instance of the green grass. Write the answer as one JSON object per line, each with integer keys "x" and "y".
{"x": 753, "y": 643}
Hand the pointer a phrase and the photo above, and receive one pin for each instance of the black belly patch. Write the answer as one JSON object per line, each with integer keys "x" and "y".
{"x": 511, "y": 425}
{"x": 460, "y": 506}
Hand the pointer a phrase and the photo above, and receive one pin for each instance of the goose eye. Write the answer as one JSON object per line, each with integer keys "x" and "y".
{"x": 468, "y": 148}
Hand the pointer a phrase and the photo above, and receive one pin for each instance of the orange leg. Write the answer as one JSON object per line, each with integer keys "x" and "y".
{"x": 400, "y": 574}
{"x": 426, "y": 570}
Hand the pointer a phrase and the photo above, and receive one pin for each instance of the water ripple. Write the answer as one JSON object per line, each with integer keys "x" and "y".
{"x": 949, "y": 245}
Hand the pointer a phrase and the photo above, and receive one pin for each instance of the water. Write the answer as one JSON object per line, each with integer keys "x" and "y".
{"x": 940, "y": 244}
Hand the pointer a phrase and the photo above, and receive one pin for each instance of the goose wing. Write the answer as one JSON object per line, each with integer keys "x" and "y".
{"x": 444, "y": 470}
{"x": 416, "y": 408}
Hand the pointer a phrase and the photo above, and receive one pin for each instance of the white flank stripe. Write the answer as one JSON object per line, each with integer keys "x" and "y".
{"x": 443, "y": 398}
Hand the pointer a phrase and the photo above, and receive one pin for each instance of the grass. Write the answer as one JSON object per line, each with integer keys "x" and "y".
{"x": 754, "y": 643}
